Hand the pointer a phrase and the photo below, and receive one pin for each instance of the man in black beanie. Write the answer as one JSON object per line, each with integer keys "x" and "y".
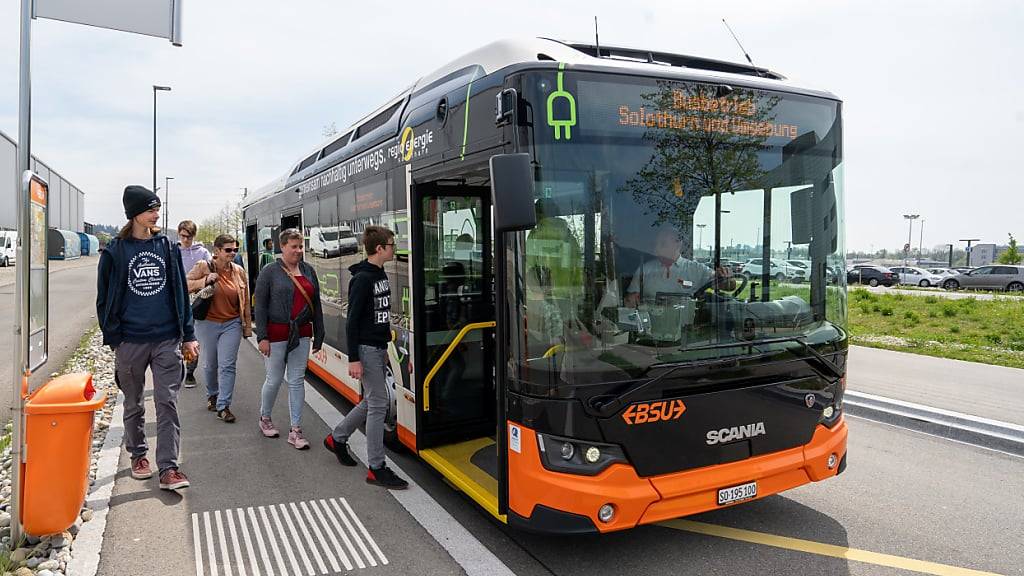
{"x": 143, "y": 310}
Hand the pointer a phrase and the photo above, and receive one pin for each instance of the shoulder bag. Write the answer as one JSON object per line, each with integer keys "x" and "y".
{"x": 203, "y": 300}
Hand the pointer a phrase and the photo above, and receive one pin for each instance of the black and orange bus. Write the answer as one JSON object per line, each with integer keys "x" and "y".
{"x": 573, "y": 346}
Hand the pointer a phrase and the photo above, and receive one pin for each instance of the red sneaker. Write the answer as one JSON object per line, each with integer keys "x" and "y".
{"x": 173, "y": 480}
{"x": 141, "y": 469}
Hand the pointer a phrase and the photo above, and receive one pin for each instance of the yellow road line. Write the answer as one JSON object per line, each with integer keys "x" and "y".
{"x": 812, "y": 547}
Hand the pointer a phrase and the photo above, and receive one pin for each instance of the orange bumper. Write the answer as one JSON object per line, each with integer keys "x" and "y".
{"x": 646, "y": 500}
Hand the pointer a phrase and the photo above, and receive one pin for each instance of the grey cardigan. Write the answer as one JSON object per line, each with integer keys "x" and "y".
{"x": 275, "y": 293}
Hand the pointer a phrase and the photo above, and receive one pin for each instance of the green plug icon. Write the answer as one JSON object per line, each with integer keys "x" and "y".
{"x": 567, "y": 124}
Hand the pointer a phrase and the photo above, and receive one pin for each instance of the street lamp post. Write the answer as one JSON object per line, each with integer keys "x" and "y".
{"x": 167, "y": 202}
{"x": 969, "y": 240}
{"x": 910, "y": 235}
{"x": 920, "y": 242}
{"x": 155, "y": 90}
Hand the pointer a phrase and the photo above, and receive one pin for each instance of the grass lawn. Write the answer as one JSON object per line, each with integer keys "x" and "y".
{"x": 988, "y": 331}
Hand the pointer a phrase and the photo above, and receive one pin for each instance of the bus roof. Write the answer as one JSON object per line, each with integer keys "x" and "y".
{"x": 510, "y": 52}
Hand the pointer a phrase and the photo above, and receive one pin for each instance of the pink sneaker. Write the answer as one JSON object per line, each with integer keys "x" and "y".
{"x": 267, "y": 427}
{"x": 295, "y": 438}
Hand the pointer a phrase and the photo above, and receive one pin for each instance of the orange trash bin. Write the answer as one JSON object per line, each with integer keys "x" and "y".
{"x": 58, "y": 441}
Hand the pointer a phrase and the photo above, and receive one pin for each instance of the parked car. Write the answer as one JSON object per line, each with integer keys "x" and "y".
{"x": 994, "y": 277}
{"x": 944, "y": 272}
{"x": 778, "y": 269}
{"x": 8, "y": 247}
{"x": 872, "y": 275}
{"x": 914, "y": 276}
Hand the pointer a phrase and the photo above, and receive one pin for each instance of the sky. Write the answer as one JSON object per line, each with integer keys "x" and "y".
{"x": 932, "y": 92}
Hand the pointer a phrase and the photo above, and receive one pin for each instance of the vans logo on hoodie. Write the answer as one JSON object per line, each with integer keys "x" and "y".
{"x": 382, "y": 302}
{"x": 147, "y": 274}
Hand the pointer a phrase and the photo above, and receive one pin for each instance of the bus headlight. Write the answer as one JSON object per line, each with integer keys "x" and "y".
{"x": 573, "y": 456}
{"x": 831, "y": 413}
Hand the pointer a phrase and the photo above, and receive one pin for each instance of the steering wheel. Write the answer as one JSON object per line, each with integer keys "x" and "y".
{"x": 703, "y": 290}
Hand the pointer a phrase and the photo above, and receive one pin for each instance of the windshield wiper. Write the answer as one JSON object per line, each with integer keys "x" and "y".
{"x": 611, "y": 406}
{"x": 607, "y": 408}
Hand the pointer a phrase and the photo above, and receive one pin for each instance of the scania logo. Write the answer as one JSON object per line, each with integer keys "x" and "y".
{"x": 735, "y": 433}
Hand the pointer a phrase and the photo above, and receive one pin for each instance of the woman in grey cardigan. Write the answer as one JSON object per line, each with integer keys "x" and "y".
{"x": 288, "y": 315}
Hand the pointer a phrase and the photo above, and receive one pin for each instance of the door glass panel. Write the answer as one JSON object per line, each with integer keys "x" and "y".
{"x": 455, "y": 295}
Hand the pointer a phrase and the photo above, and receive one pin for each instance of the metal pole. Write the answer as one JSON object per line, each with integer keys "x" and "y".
{"x": 920, "y": 242}
{"x": 154, "y": 139}
{"x": 167, "y": 203}
{"x": 21, "y": 317}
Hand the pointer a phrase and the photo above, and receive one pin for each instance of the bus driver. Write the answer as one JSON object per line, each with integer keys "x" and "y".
{"x": 669, "y": 272}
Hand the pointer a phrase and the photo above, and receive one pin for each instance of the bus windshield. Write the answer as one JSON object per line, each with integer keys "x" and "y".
{"x": 667, "y": 214}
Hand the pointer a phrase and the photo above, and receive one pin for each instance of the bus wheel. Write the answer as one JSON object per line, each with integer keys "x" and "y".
{"x": 391, "y": 418}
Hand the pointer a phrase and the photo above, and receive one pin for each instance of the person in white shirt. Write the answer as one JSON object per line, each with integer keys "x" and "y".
{"x": 668, "y": 272}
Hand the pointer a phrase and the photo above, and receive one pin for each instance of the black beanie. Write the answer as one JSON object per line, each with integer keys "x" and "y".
{"x": 138, "y": 199}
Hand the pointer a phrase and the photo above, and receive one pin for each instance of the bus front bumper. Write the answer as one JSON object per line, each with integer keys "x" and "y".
{"x": 546, "y": 501}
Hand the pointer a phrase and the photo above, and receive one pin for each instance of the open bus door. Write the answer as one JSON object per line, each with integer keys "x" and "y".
{"x": 462, "y": 428}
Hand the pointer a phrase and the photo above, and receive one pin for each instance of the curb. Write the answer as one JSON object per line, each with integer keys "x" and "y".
{"x": 993, "y": 434}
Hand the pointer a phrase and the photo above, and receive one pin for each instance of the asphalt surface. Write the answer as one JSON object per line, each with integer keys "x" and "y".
{"x": 904, "y": 498}
{"x": 994, "y": 392}
{"x": 72, "y": 312}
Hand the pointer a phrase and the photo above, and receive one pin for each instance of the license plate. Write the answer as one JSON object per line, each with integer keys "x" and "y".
{"x": 737, "y": 493}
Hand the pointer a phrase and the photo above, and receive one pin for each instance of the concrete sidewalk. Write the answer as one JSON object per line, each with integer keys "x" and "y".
{"x": 984, "y": 390}
{"x": 259, "y": 501}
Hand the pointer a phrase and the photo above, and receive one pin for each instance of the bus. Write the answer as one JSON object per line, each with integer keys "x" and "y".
{"x": 557, "y": 353}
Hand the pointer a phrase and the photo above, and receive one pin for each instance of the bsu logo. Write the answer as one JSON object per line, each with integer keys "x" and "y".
{"x": 648, "y": 412}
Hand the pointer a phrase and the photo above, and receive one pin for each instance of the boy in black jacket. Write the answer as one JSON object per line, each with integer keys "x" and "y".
{"x": 368, "y": 329}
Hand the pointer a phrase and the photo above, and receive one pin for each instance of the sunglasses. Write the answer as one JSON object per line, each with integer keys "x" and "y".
{"x": 230, "y": 250}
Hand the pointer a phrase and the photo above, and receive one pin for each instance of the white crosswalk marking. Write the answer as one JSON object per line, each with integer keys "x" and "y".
{"x": 313, "y": 537}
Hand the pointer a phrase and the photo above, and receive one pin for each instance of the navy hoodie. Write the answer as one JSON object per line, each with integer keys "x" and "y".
{"x": 369, "y": 308}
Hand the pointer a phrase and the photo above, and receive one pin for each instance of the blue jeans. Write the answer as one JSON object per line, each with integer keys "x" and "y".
{"x": 291, "y": 368}
{"x": 218, "y": 351}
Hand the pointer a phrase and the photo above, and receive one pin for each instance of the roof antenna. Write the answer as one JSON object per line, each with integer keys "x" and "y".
{"x": 597, "y": 41}
{"x": 742, "y": 49}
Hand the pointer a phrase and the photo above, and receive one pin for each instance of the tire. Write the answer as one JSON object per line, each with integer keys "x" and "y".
{"x": 5, "y": 263}
{"x": 325, "y": 254}
{"x": 780, "y": 277}
{"x": 390, "y": 420}
{"x": 873, "y": 282}
{"x": 951, "y": 285}
{"x": 1015, "y": 287}
{"x": 924, "y": 284}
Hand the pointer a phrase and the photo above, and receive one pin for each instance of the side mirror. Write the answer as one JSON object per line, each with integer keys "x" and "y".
{"x": 512, "y": 192}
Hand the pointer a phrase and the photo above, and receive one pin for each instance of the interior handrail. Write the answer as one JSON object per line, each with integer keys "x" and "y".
{"x": 448, "y": 352}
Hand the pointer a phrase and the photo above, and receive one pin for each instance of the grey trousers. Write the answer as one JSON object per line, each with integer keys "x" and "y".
{"x": 372, "y": 409}
{"x": 164, "y": 359}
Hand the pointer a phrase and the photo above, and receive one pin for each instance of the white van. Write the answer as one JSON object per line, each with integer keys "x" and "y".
{"x": 331, "y": 241}
{"x": 8, "y": 247}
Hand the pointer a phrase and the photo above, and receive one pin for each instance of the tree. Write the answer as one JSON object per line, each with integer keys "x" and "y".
{"x": 228, "y": 220}
{"x": 1010, "y": 256}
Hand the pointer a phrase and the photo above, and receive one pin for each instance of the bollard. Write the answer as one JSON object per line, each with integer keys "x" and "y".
{"x": 58, "y": 439}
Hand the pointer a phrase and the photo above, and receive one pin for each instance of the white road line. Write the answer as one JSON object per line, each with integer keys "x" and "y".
{"x": 468, "y": 552}
{"x": 366, "y": 534}
{"x": 199, "y": 548}
{"x": 352, "y": 531}
{"x": 344, "y": 536}
{"x": 273, "y": 542}
{"x": 309, "y": 538}
{"x": 248, "y": 541}
{"x": 331, "y": 534}
{"x": 259, "y": 541}
{"x": 320, "y": 538}
{"x": 223, "y": 540}
{"x": 209, "y": 543}
{"x": 298, "y": 544}
{"x": 287, "y": 547}
{"x": 239, "y": 563}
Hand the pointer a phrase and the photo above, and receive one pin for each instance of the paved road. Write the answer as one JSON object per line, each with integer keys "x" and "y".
{"x": 939, "y": 292}
{"x": 984, "y": 390}
{"x": 72, "y": 312}
{"x": 905, "y": 498}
